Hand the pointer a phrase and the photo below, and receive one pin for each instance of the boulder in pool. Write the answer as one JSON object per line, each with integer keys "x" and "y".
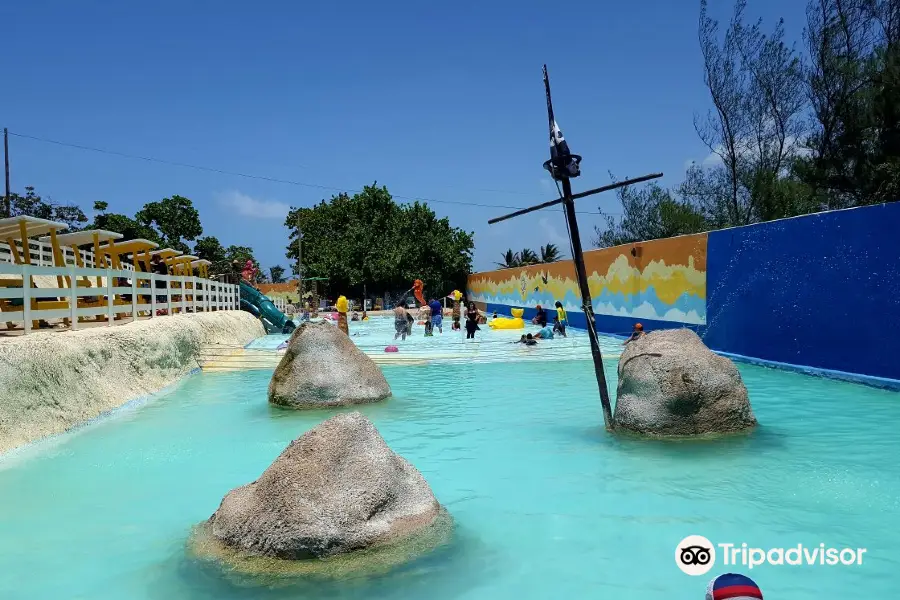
{"x": 671, "y": 384}
{"x": 336, "y": 489}
{"x": 323, "y": 367}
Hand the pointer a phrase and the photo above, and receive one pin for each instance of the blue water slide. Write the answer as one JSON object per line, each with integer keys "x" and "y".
{"x": 258, "y": 305}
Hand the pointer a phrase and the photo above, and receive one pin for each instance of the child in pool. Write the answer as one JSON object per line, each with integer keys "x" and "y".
{"x": 425, "y": 314}
{"x": 528, "y": 340}
{"x": 636, "y": 334}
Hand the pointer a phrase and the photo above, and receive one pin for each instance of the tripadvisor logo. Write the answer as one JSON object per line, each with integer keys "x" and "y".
{"x": 696, "y": 555}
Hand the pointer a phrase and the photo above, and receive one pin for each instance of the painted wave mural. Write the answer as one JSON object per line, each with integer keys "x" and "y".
{"x": 663, "y": 280}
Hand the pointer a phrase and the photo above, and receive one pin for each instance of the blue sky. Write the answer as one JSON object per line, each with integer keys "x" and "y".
{"x": 434, "y": 100}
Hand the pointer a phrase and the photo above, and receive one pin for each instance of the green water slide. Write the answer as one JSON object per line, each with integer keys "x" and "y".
{"x": 262, "y": 308}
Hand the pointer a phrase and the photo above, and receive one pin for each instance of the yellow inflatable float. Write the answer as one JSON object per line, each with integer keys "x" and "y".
{"x": 504, "y": 323}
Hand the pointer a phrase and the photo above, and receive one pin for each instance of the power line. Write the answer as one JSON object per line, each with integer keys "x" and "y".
{"x": 207, "y": 169}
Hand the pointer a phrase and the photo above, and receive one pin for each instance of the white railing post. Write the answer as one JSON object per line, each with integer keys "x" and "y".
{"x": 168, "y": 294}
{"x": 110, "y": 298}
{"x": 73, "y": 299}
{"x": 194, "y": 294}
{"x": 134, "y": 289}
{"x": 183, "y": 294}
{"x": 26, "y": 298}
{"x": 152, "y": 295}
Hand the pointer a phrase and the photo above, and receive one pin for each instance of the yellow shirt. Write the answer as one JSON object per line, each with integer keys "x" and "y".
{"x": 561, "y": 313}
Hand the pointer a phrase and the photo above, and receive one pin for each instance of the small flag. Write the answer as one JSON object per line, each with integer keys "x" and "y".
{"x": 560, "y": 156}
{"x": 558, "y": 145}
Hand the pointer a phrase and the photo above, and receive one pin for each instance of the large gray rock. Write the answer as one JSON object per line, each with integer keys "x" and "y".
{"x": 335, "y": 489}
{"x": 322, "y": 367}
{"x": 670, "y": 383}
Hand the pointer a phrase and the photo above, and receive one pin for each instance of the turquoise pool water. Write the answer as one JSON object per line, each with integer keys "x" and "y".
{"x": 546, "y": 504}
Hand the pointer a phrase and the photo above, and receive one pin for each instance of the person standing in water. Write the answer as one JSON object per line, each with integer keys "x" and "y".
{"x": 472, "y": 316}
{"x": 561, "y": 315}
{"x": 401, "y": 323}
{"x": 559, "y": 327}
{"x": 437, "y": 315}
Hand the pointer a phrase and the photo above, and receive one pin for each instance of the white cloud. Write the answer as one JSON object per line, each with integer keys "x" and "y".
{"x": 246, "y": 206}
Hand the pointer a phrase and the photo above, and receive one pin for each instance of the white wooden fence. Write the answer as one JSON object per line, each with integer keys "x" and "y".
{"x": 23, "y": 303}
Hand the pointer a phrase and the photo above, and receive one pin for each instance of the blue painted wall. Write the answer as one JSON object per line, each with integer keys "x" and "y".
{"x": 821, "y": 290}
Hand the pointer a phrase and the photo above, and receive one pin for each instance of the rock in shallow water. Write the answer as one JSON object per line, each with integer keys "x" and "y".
{"x": 336, "y": 489}
{"x": 671, "y": 384}
{"x": 323, "y": 367}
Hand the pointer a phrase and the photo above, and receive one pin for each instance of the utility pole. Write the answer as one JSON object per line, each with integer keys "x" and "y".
{"x": 299, "y": 260}
{"x": 563, "y": 165}
{"x": 7, "y": 199}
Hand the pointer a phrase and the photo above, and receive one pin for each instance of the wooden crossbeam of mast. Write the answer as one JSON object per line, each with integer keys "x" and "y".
{"x": 605, "y": 188}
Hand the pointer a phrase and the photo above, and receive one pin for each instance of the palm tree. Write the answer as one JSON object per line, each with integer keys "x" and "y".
{"x": 510, "y": 260}
{"x": 528, "y": 257}
{"x": 549, "y": 253}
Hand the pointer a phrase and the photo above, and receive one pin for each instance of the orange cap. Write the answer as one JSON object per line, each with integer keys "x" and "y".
{"x": 638, "y": 326}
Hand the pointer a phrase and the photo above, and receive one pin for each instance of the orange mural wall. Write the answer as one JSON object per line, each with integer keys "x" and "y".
{"x": 660, "y": 280}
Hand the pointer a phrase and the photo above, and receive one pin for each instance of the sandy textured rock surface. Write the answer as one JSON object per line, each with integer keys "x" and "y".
{"x": 323, "y": 367}
{"x": 337, "y": 488}
{"x": 670, "y": 383}
{"x": 51, "y": 381}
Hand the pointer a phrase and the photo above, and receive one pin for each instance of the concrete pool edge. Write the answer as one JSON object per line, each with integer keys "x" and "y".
{"x": 54, "y": 381}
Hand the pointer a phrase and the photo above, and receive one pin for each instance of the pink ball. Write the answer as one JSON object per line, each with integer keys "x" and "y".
{"x": 392, "y": 349}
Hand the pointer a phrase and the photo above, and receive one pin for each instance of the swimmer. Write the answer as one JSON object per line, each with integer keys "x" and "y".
{"x": 636, "y": 334}
{"x": 355, "y": 316}
{"x": 528, "y": 340}
{"x": 546, "y": 333}
{"x": 559, "y": 327}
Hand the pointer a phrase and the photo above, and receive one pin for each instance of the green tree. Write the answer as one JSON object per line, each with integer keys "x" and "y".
{"x": 650, "y": 212}
{"x": 853, "y": 86}
{"x": 511, "y": 260}
{"x": 755, "y": 83}
{"x": 276, "y": 274}
{"x": 528, "y": 257}
{"x": 130, "y": 228}
{"x": 33, "y": 205}
{"x": 368, "y": 239}
{"x": 211, "y": 249}
{"x": 550, "y": 253}
{"x": 175, "y": 220}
